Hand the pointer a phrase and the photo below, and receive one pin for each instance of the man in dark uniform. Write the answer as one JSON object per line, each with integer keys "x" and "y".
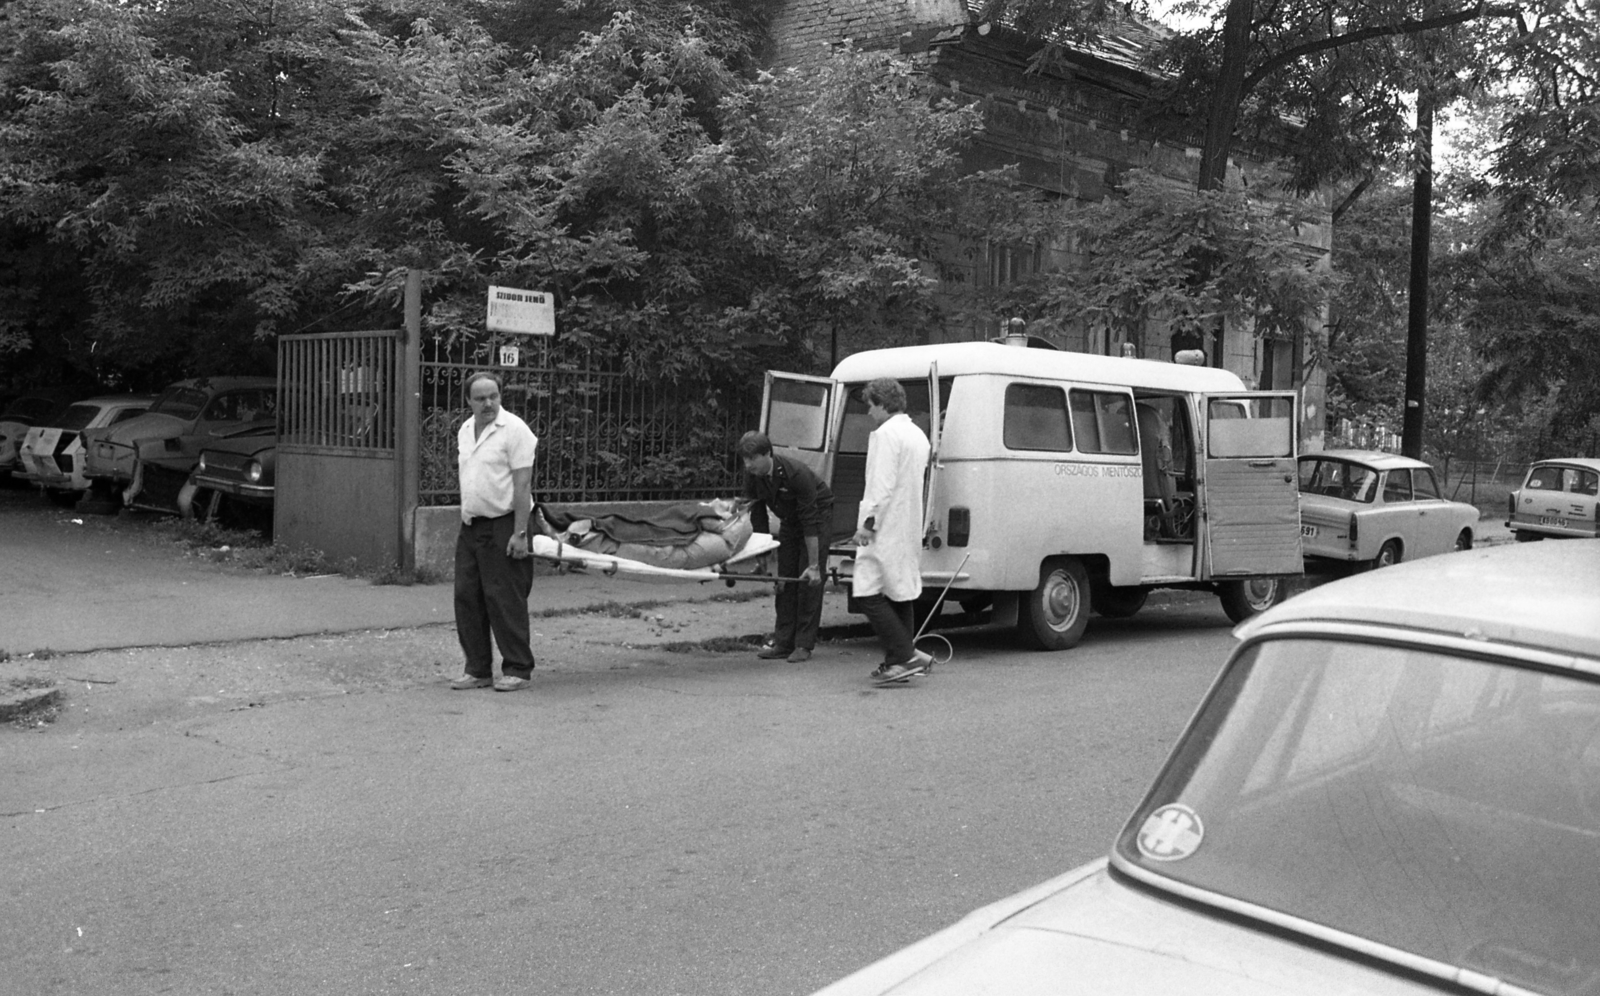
{"x": 804, "y": 504}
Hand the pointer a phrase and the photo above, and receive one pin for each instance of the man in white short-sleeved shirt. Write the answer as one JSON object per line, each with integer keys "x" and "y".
{"x": 495, "y": 451}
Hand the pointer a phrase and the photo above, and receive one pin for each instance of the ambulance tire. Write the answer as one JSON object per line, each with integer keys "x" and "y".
{"x": 1054, "y": 615}
{"x": 1243, "y": 599}
{"x": 1119, "y": 602}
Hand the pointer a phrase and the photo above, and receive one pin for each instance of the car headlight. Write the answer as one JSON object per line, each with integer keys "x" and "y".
{"x": 252, "y": 473}
{"x": 201, "y": 466}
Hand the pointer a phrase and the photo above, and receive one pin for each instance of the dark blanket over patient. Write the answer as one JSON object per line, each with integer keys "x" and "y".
{"x": 685, "y": 535}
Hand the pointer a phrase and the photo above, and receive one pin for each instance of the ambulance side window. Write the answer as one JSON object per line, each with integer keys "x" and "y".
{"x": 1103, "y": 422}
{"x": 1036, "y": 418}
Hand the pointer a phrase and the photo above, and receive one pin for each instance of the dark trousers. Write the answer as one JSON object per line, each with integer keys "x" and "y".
{"x": 894, "y": 624}
{"x": 492, "y": 597}
{"x": 799, "y": 605}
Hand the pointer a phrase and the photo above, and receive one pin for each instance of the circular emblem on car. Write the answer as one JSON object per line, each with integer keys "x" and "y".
{"x": 1171, "y": 833}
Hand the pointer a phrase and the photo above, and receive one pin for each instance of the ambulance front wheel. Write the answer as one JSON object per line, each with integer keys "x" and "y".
{"x": 1243, "y": 599}
{"x": 1053, "y": 616}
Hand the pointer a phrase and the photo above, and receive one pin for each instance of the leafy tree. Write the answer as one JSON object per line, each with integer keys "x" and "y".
{"x": 1189, "y": 258}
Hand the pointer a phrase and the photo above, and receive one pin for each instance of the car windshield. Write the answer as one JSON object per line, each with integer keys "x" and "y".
{"x": 1444, "y": 806}
{"x": 1338, "y": 479}
{"x": 77, "y": 416}
{"x": 183, "y": 402}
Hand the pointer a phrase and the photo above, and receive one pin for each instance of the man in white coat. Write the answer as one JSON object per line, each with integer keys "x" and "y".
{"x": 888, "y": 573}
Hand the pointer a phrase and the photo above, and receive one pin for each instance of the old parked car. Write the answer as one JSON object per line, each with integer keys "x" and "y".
{"x": 1393, "y": 787}
{"x": 1368, "y": 508}
{"x": 52, "y": 454}
{"x": 21, "y": 414}
{"x": 238, "y": 470}
{"x": 149, "y": 458}
{"x": 1557, "y": 498}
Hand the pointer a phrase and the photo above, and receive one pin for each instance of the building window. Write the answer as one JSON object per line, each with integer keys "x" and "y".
{"x": 1010, "y": 264}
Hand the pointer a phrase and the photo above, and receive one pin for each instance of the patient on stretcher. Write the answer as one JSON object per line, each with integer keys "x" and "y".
{"x": 683, "y": 536}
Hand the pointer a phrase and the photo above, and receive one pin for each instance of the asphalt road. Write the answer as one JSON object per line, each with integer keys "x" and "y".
{"x": 701, "y": 825}
{"x": 319, "y": 814}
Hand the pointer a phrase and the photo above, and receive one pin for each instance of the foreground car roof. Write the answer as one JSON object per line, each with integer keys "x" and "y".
{"x": 1376, "y": 459}
{"x": 1543, "y": 595}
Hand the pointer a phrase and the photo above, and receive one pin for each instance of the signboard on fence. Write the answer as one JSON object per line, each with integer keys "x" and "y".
{"x": 526, "y": 312}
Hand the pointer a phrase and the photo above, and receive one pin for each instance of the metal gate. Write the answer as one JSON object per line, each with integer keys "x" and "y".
{"x": 339, "y": 474}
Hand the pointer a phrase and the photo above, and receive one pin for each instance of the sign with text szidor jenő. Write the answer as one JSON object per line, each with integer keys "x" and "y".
{"x": 526, "y": 312}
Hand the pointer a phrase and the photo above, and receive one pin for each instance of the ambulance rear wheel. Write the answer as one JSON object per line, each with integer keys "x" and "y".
{"x": 1243, "y": 599}
{"x": 1053, "y": 616}
{"x": 1119, "y": 602}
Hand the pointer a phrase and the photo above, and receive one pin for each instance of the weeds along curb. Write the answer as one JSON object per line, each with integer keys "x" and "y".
{"x": 21, "y": 699}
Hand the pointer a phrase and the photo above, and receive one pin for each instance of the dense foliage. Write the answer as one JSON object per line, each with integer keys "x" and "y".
{"x": 180, "y": 182}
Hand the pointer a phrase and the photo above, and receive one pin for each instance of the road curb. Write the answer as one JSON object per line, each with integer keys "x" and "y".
{"x": 18, "y": 702}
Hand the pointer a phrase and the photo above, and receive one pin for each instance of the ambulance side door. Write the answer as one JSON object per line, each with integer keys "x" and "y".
{"x": 1250, "y": 490}
{"x": 801, "y": 415}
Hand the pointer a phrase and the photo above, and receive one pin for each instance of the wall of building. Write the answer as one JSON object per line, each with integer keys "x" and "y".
{"x": 1074, "y": 130}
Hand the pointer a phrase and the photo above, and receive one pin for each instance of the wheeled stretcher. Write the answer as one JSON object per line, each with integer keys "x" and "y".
{"x": 655, "y": 542}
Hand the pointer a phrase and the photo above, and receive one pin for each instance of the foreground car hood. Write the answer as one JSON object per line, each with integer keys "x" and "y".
{"x": 1098, "y": 936}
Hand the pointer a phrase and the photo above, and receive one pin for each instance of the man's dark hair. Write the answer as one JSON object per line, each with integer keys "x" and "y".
{"x": 754, "y": 444}
{"x": 473, "y": 378}
{"x": 886, "y": 392}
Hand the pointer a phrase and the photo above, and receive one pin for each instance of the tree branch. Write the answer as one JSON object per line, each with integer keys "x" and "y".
{"x": 1408, "y": 27}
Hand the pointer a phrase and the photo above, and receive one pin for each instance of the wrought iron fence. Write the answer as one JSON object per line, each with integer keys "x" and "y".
{"x": 603, "y": 435}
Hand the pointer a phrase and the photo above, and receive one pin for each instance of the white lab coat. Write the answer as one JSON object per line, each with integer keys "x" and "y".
{"x": 897, "y": 456}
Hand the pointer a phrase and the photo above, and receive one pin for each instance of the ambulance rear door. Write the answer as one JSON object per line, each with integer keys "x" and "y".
{"x": 801, "y": 415}
{"x": 1250, "y": 498}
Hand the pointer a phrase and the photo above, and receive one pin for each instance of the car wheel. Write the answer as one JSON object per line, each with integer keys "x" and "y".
{"x": 63, "y": 497}
{"x": 1054, "y": 615}
{"x": 1119, "y": 602}
{"x": 1527, "y": 537}
{"x": 1243, "y": 599}
{"x": 1463, "y": 540}
{"x": 1388, "y": 555}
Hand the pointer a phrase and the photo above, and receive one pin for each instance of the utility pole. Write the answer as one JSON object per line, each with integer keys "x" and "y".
{"x": 1421, "y": 245}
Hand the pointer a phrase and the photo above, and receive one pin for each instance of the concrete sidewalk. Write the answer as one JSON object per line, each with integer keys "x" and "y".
{"x": 77, "y": 583}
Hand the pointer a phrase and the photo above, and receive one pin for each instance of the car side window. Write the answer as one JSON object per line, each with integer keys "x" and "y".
{"x": 1423, "y": 484}
{"x": 1588, "y": 483}
{"x": 1397, "y": 486}
{"x": 126, "y": 414}
{"x": 254, "y": 405}
{"x": 220, "y": 409}
{"x": 1036, "y": 418}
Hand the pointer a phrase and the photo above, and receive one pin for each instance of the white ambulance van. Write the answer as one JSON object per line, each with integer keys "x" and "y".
{"x": 1062, "y": 482}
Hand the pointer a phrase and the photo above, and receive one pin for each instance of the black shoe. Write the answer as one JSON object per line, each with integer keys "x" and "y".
{"x": 771, "y": 653}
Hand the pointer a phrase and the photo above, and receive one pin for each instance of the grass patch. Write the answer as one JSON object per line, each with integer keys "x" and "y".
{"x": 616, "y": 610}
{"x": 395, "y": 575}
{"x": 715, "y": 645}
{"x": 42, "y": 713}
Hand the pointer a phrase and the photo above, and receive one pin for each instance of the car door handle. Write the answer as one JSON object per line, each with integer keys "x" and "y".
{"x": 1263, "y": 463}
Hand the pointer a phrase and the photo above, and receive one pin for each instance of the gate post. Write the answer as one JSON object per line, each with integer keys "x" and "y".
{"x": 408, "y": 426}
